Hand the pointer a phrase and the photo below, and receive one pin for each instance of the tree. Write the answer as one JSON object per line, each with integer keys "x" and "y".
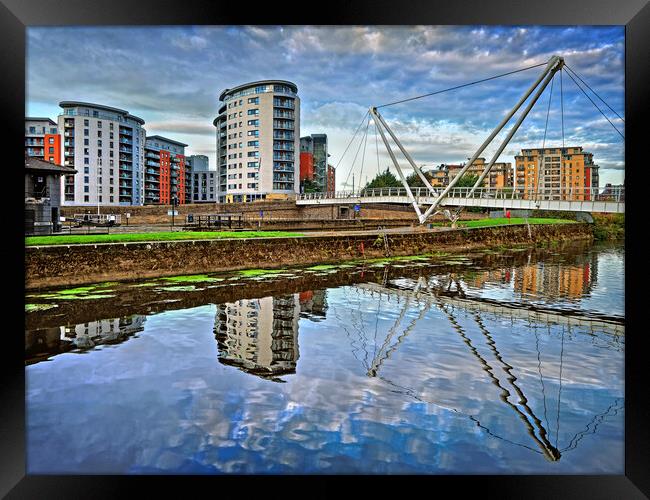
{"x": 413, "y": 179}
{"x": 467, "y": 180}
{"x": 309, "y": 186}
{"x": 382, "y": 180}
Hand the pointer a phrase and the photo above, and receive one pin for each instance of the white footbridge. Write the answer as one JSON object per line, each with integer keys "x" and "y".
{"x": 427, "y": 200}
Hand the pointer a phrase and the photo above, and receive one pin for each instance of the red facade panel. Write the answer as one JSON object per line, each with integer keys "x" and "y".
{"x": 306, "y": 166}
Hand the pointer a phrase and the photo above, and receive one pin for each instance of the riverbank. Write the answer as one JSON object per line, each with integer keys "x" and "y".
{"x": 609, "y": 227}
{"x": 61, "y": 265}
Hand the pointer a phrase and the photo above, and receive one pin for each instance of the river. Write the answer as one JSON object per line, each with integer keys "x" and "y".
{"x": 486, "y": 363}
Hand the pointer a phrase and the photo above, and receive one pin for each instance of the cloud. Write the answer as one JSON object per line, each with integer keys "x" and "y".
{"x": 172, "y": 77}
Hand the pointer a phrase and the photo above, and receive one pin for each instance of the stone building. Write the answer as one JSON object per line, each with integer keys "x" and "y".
{"x": 43, "y": 195}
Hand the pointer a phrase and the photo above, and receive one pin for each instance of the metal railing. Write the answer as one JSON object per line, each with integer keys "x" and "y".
{"x": 614, "y": 194}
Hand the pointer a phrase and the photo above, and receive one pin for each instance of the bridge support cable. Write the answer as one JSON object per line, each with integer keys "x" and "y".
{"x": 596, "y": 106}
{"x": 539, "y": 168}
{"x": 354, "y": 161}
{"x": 418, "y": 171}
{"x": 571, "y": 70}
{"x": 350, "y": 143}
{"x": 399, "y": 170}
{"x": 516, "y": 126}
{"x": 553, "y": 65}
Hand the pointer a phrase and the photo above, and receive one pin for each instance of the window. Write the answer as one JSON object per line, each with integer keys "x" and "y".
{"x": 51, "y": 150}
{"x": 255, "y": 133}
{"x": 95, "y": 113}
{"x": 86, "y": 123}
{"x": 111, "y": 199}
{"x": 86, "y": 198}
{"x": 99, "y": 124}
{"x": 99, "y": 152}
{"x": 86, "y": 131}
{"x": 255, "y": 154}
{"x": 254, "y": 123}
{"x": 254, "y": 111}
{"x": 99, "y": 133}
{"x": 51, "y": 140}
{"x": 86, "y": 170}
{"x": 52, "y": 131}
{"x": 254, "y": 144}
{"x": 99, "y": 143}
{"x": 32, "y": 130}
{"x": 86, "y": 161}
{"x": 86, "y": 189}
{"x": 110, "y": 135}
{"x": 253, "y": 100}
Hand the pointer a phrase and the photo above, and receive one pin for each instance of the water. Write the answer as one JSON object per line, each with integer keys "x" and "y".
{"x": 489, "y": 364}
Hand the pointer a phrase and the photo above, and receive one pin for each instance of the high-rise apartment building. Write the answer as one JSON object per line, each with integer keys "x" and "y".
{"x": 106, "y": 147}
{"x": 315, "y": 145}
{"x": 203, "y": 180}
{"x": 258, "y": 130}
{"x": 165, "y": 175}
{"x": 42, "y": 140}
{"x": 556, "y": 173}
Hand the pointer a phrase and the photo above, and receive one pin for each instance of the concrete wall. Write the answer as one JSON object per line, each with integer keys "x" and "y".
{"x": 78, "y": 264}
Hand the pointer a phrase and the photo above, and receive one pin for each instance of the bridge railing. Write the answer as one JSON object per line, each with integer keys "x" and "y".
{"x": 610, "y": 194}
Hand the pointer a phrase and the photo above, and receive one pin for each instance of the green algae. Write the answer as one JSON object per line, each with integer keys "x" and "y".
{"x": 39, "y": 307}
{"x": 249, "y": 273}
{"x": 140, "y": 285}
{"x": 194, "y": 278}
{"x": 76, "y": 291}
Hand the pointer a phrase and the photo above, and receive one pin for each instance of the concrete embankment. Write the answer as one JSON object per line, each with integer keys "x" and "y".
{"x": 64, "y": 265}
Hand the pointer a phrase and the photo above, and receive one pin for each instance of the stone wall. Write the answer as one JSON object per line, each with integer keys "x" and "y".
{"x": 78, "y": 264}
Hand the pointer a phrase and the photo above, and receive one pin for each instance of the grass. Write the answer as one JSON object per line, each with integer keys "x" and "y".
{"x": 159, "y": 236}
{"x": 502, "y": 221}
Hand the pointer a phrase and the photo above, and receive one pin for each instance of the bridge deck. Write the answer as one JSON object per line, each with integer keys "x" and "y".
{"x": 500, "y": 198}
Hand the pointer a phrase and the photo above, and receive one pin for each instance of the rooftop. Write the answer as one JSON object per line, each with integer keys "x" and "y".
{"x": 165, "y": 139}
{"x": 74, "y": 104}
{"x": 32, "y": 163}
{"x": 255, "y": 84}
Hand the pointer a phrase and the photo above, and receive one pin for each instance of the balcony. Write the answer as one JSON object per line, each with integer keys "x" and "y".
{"x": 126, "y": 141}
{"x": 151, "y": 171}
{"x": 152, "y": 163}
{"x": 283, "y": 114}
{"x": 125, "y": 167}
{"x": 152, "y": 179}
{"x": 283, "y": 146}
{"x": 284, "y": 103}
{"x": 287, "y": 136}
{"x": 126, "y": 158}
{"x": 126, "y": 131}
{"x": 124, "y": 192}
{"x": 125, "y": 176}
{"x": 68, "y": 144}
{"x": 149, "y": 154}
{"x": 67, "y": 133}
{"x": 281, "y": 156}
{"x": 126, "y": 150}
{"x": 283, "y": 125}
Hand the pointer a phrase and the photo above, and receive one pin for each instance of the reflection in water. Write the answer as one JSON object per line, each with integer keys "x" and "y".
{"x": 259, "y": 336}
{"x": 515, "y": 369}
{"x": 45, "y": 342}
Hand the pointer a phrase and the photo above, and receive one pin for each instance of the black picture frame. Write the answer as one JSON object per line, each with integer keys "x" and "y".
{"x": 16, "y": 15}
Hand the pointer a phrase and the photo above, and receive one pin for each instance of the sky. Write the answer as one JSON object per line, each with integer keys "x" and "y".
{"x": 172, "y": 77}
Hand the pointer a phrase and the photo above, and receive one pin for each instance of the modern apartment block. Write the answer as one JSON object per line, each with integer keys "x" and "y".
{"x": 106, "y": 147}
{"x": 314, "y": 148}
{"x": 203, "y": 180}
{"x": 258, "y": 130}
{"x": 500, "y": 174}
{"x": 557, "y": 173}
{"x": 164, "y": 175}
{"x": 42, "y": 139}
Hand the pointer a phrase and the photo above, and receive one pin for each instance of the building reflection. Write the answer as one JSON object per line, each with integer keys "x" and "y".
{"x": 313, "y": 304}
{"x": 259, "y": 336}
{"x": 44, "y": 343}
{"x": 543, "y": 280}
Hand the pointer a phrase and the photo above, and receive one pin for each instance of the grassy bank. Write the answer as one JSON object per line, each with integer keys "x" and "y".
{"x": 160, "y": 236}
{"x": 609, "y": 227}
{"x": 503, "y": 221}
